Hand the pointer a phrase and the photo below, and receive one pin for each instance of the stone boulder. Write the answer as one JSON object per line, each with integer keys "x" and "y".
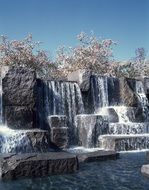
{"x": 127, "y": 92}
{"x": 19, "y": 97}
{"x": 19, "y": 117}
{"x": 19, "y": 86}
{"x": 36, "y": 165}
{"x": 110, "y": 113}
{"x": 3, "y": 71}
{"x": 82, "y": 77}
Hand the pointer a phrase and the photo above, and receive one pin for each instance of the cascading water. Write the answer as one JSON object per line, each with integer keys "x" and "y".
{"x": 64, "y": 98}
{"x": 129, "y": 125}
{"x": 141, "y": 94}
{"x": 99, "y": 92}
{"x": 12, "y": 141}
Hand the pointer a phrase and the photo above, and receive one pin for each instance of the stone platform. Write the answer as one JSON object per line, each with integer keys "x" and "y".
{"x": 124, "y": 142}
{"x": 99, "y": 155}
{"x": 14, "y": 166}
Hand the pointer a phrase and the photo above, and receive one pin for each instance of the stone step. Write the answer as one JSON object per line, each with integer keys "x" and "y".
{"x": 125, "y": 114}
{"x": 128, "y": 128}
{"x": 124, "y": 142}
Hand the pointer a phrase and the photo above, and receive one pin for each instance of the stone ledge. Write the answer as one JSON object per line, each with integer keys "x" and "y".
{"x": 14, "y": 166}
{"x": 100, "y": 155}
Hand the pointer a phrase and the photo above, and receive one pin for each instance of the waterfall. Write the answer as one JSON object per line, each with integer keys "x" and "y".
{"x": 99, "y": 92}
{"x": 141, "y": 94}
{"x": 13, "y": 141}
{"x": 64, "y": 98}
{"x": 132, "y": 128}
{"x": 143, "y": 101}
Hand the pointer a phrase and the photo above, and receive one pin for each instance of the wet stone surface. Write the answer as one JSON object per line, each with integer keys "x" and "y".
{"x": 36, "y": 165}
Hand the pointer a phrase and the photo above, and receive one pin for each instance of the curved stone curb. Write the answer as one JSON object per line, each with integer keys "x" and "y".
{"x": 145, "y": 170}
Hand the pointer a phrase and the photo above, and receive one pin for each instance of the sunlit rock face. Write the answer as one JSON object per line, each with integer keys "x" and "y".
{"x": 19, "y": 98}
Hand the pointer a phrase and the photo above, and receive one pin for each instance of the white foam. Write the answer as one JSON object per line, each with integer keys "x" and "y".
{"x": 134, "y": 151}
{"x": 81, "y": 149}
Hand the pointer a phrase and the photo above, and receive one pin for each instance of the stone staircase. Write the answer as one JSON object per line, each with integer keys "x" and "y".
{"x": 130, "y": 132}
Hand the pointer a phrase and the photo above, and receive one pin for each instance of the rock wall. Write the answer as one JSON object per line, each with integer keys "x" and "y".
{"x": 28, "y": 102}
{"x": 19, "y": 98}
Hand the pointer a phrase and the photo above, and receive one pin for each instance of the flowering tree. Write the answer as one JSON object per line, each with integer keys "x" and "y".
{"x": 136, "y": 67}
{"x": 92, "y": 53}
{"x": 25, "y": 53}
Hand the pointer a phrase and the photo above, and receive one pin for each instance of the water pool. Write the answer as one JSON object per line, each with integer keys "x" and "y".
{"x": 121, "y": 174}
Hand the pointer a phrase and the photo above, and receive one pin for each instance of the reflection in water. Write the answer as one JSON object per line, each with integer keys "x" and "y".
{"x": 122, "y": 174}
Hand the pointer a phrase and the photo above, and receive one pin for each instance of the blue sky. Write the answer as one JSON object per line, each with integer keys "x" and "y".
{"x": 57, "y": 22}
